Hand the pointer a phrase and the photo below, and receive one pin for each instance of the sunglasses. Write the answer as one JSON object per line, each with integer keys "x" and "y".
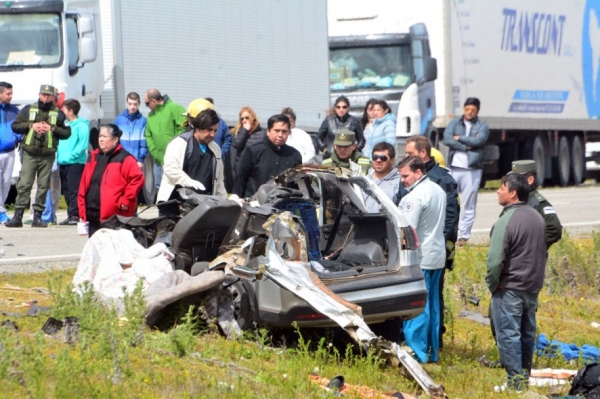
{"x": 147, "y": 103}
{"x": 380, "y": 157}
{"x": 243, "y": 118}
{"x": 341, "y": 106}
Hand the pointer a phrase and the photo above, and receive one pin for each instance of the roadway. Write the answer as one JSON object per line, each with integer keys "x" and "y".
{"x": 29, "y": 249}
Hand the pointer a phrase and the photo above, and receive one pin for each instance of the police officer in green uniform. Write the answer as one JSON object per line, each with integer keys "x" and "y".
{"x": 345, "y": 154}
{"x": 538, "y": 202}
{"x": 42, "y": 124}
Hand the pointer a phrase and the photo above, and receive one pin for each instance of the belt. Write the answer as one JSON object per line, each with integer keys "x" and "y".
{"x": 6, "y": 151}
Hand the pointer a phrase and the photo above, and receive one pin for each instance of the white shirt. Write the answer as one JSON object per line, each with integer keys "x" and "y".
{"x": 301, "y": 141}
{"x": 424, "y": 208}
{"x": 460, "y": 158}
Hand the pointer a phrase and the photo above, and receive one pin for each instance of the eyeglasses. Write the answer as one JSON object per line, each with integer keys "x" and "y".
{"x": 341, "y": 106}
{"x": 147, "y": 103}
{"x": 382, "y": 158}
{"x": 243, "y": 118}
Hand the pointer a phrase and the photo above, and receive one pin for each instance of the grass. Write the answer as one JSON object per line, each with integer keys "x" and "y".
{"x": 114, "y": 358}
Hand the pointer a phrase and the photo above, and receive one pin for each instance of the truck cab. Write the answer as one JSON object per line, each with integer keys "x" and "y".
{"x": 53, "y": 42}
{"x": 395, "y": 67}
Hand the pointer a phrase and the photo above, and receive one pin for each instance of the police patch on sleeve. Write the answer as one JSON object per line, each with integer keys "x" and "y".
{"x": 408, "y": 207}
{"x": 549, "y": 210}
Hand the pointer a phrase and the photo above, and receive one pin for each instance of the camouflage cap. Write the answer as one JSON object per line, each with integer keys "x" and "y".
{"x": 523, "y": 167}
{"x": 344, "y": 138}
{"x": 47, "y": 89}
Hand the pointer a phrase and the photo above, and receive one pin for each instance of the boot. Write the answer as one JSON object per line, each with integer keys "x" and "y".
{"x": 37, "y": 220}
{"x": 17, "y": 219}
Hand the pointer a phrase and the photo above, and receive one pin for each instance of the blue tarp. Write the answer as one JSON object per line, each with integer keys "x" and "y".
{"x": 588, "y": 353}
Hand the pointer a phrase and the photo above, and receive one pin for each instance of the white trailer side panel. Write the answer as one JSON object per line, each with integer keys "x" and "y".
{"x": 533, "y": 64}
{"x": 267, "y": 54}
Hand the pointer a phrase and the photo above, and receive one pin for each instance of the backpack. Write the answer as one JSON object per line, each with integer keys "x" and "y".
{"x": 587, "y": 382}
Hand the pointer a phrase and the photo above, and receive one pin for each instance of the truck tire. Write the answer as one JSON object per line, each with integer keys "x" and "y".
{"x": 538, "y": 154}
{"x": 563, "y": 162}
{"x": 149, "y": 188}
{"x": 578, "y": 160}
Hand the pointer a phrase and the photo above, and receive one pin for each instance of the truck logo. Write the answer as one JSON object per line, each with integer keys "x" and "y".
{"x": 590, "y": 53}
{"x": 532, "y": 32}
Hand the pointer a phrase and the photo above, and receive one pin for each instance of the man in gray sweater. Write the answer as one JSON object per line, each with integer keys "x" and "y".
{"x": 516, "y": 263}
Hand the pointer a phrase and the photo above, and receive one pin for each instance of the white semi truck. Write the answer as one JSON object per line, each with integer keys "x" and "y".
{"x": 534, "y": 66}
{"x": 268, "y": 55}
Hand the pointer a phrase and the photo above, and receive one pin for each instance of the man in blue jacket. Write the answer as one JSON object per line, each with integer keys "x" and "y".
{"x": 8, "y": 142}
{"x": 466, "y": 137}
{"x": 223, "y": 137}
{"x": 133, "y": 125}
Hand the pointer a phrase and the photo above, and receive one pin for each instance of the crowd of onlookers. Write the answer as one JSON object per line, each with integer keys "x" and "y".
{"x": 194, "y": 148}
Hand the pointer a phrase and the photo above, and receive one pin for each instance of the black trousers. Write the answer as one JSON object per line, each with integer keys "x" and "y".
{"x": 70, "y": 176}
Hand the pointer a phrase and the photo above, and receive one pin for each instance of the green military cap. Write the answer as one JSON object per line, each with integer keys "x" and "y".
{"x": 523, "y": 167}
{"x": 47, "y": 89}
{"x": 344, "y": 138}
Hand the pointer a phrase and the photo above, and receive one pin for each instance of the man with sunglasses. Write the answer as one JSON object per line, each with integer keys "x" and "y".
{"x": 383, "y": 174}
{"x": 345, "y": 154}
{"x": 164, "y": 122}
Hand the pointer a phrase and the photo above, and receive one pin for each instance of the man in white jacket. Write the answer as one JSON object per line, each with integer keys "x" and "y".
{"x": 424, "y": 208}
{"x": 193, "y": 160}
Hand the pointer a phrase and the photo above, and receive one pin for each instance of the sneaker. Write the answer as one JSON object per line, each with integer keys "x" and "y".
{"x": 504, "y": 387}
{"x": 4, "y": 217}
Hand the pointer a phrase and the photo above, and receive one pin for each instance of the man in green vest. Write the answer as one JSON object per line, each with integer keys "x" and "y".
{"x": 42, "y": 124}
{"x": 345, "y": 154}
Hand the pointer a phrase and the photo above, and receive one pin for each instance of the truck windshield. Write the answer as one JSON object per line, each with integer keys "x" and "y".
{"x": 374, "y": 68}
{"x": 30, "y": 40}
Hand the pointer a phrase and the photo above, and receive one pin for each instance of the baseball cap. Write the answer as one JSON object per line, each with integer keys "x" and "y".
{"x": 523, "y": 167}
{"x": 197, "y": 106}
{"x": 344, "y": 138}
{"x": 47, "y": 89}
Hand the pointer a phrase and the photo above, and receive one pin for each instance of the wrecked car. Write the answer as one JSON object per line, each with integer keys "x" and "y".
{"x": 368, "y": 259}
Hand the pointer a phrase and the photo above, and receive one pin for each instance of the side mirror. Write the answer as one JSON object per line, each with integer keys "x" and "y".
{"x": 87, "y": 50}
{"x": 85, "y": 25}
{"x": 430, "y": 69}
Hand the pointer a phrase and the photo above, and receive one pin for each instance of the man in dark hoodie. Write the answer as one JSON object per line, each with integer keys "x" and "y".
{"x": 261, "y": 161}
{"x": 42, "y": 124}
{"x": 516, "y": 263}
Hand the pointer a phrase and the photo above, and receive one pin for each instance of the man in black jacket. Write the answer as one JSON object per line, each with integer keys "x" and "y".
{"x": 264, "y": 160}
{"x": 420, "y": 146}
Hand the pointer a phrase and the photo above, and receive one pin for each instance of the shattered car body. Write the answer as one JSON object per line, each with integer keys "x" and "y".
{"x": 368, "y": 260}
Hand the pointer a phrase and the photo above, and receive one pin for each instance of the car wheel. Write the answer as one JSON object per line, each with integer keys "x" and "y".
{"x": 241, "y": 305}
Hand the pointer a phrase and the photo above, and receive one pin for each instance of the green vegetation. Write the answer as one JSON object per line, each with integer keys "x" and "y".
{"x": 114, "y": 357}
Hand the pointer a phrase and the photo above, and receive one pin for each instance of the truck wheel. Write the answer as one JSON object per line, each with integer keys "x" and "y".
{"x": 563, "y": 162}
{"x": 241, "y": 305}
{"x": 578, "y": 160}
{"x": 538, "y": 154}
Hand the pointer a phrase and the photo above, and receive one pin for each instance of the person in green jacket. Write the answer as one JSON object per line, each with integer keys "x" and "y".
{"x": 42, "y": 124}
{"x": 164, "y": 122}
{"x": 346, "y": 155}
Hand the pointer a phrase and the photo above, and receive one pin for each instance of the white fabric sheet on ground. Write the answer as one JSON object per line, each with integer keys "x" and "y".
{"x": 112, "y": 260}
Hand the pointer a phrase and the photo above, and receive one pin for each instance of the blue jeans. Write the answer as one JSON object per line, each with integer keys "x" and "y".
{"x": 422, "y": 333}
{"x": 157, "y": 175}
{"x": 513, "y": 313}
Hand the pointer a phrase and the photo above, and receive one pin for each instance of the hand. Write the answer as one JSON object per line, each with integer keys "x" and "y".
{"x": 456, "y": 137}
{"x": 234, "y": 197}
{"x": 124, "y": 207}
{"x": 247, "y": 125}
{"x": 38, "y": 127}
{"x": 196, "y": 185}
{"x": 141, "y": 165}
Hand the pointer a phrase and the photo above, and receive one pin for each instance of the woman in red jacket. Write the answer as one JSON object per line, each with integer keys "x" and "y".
{"x": 111, "y": 181}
